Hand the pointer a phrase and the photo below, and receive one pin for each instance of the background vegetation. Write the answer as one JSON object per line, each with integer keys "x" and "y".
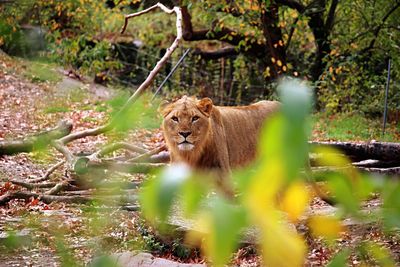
{"x": 240, "y": 49}
{"x": 342, "y": 47}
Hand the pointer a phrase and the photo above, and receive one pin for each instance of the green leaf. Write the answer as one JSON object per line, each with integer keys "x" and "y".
{"x": 380, "y": 254}
{"x": 391, "y": 205}
{"x": 192, "y": 193}
{"x": 343, "y": 192}
{"x": 296, "y": 105}
{"x": 340, "y": 259}
{"x": 285, "y": 136}
{"x": 226, "y": 222}
{"x": 158, "y": 195}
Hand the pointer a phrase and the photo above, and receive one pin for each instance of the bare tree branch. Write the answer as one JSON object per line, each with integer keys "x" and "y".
{"x": 48, "y": 173}
{"x": 37, "y": 141}
{"x": 114, "y": 147}
{"x": 57, "y": 188}
{"x": 147, "y": 156}
{"x": 30, "y": 186}
{"x": 60, "y": 144}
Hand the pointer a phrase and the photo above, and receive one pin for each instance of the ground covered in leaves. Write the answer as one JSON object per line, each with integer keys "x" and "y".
{"x": 33, "y": 233}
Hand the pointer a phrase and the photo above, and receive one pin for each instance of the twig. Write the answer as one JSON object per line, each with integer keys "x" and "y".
{"x": 147, "y": 156}
{"x": 28, "y": 185}
{"x": 116, "y": 146}
{"x": 59, "y": 145}
{"x": 35, "y": 142}
{"x": 57, "y": 188}
{"x": 48, "y": 173}
{"x": 127, "y": 17}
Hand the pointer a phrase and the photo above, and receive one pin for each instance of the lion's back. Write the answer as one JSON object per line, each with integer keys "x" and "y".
{"x": 242, "y": 127}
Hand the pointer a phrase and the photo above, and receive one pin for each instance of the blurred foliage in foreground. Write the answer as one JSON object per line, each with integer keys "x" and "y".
{"x": 357, "y": 37}
{"x": 273, "y": 195}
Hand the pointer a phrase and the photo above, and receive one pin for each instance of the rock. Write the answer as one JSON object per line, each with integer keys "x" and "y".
{"x": 141, "y": 259}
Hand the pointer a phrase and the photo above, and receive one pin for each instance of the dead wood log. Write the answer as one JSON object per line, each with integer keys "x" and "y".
{"x": 30, "y": 186}
{"x": 35, "y": 142}
{"x": 325, "y": 169}
{"x": 387, "y": 171}
{"x": 385, "y": 151}
{"x": 45, "y": 198}
{"x": 125, "y": 166}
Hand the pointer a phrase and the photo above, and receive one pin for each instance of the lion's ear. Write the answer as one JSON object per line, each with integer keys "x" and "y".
{"x": 205, "y": 105}
{"x": 162, "y": 108}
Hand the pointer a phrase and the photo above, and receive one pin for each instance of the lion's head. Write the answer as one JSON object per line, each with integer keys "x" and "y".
{"x": 186, "y": 124}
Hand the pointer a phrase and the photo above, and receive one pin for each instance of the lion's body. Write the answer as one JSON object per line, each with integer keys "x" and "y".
{"x": 220, "y": 138}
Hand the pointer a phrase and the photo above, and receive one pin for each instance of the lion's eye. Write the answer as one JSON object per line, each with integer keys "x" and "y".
{"x": 195, "y": 118}
{"x": 174, "y": 118}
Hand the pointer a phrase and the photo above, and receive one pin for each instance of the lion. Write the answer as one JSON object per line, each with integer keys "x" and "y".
{"x": 208, "y": 137}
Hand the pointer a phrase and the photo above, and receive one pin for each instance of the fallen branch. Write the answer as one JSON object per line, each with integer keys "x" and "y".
{"x": 162, "y": 157}
{"x": 48, "y": 173}
{"x": 57, "y": 188}
{"x": 35, "y": 142}
{"x": 45, "y": 198}
{"x": 126, "y": 167}
{"x": 387, "y": 171}
{"x": 30, "y": 186}
{"x": 147, "y": 156}
{"x": 114, "y": 147}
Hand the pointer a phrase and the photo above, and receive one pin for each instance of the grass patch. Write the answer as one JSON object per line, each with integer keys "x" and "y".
{"x": 56, "y": 109}
{"x": 39, "y": 72}
{"x": 352, "y": 126}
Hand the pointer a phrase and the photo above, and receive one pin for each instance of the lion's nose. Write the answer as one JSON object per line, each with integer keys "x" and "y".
{"x": 185, "y": 134}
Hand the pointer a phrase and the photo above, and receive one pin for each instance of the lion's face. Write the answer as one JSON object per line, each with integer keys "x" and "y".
{"x": 186, "y": 123}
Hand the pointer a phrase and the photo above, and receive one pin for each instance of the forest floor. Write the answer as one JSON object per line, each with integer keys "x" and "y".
{"x": 35, "y": 96}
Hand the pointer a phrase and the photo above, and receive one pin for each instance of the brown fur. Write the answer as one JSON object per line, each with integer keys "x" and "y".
{"x": 222, "y": 137}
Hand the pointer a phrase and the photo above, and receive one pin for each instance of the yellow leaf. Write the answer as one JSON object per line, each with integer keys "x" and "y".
{"x": 295, "y": 201}
{"x": 267, "y": 72}
{"x": 284, "y": 68}
{"x": 261, "y": 195}
{"x": 331, "y": 157}
{"x": 325, "y": 226}
{"x": 279, "y": 63}
{"x": 282, "y": 247}
{"x": 273, "y": 59}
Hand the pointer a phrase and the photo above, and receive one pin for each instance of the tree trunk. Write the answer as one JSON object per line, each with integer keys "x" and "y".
{"x": 275, "y": 55}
